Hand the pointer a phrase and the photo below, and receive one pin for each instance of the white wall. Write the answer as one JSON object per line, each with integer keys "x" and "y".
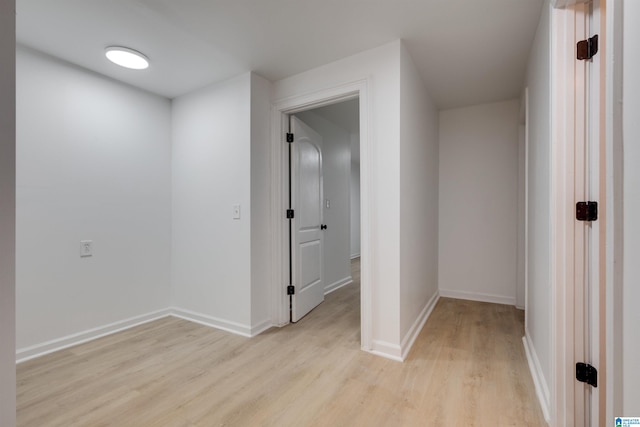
{"x": 336, "y": 162}
{"x": 382, "y": 67}
{"x": 631, "y": 200}
{"x": 260, "y": 204}
{"x": 7, "y": 214}
{"x": 93, "y": 163}
{"x": 354, "y": 212}
{"x": 538, "y": 315}
{"x": 220, "y": 156}
{"x": 418, "y": 202}
{"x": 404, "y": 216}
{"x": 211, "y": 262}
{"x": 479, "y": 202}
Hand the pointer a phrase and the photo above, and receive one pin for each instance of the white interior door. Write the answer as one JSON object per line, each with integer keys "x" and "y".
{"x": 307, "y": 240}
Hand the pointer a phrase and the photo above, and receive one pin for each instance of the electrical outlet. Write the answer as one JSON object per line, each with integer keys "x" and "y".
{"x": 86, "y": 248}
{"x": 328, "y": 203}
{"x": 236, "y": 211}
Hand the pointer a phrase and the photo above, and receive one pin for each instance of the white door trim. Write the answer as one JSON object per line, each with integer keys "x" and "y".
{"x": 568, "y": 184}
{"x": 523, "y": 224}
{"x": 279, "y": 200}
{"x": 596, "y": 178}
{"x": 614, "y": 204}
{"x": 562, "y": 129}
{"x": 527, "y": 124}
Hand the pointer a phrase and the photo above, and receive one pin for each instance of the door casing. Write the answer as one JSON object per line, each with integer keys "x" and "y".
{"x": 570, "y": 270}
{"x": 280, "y": 112}
{"x": 613, "y": 159}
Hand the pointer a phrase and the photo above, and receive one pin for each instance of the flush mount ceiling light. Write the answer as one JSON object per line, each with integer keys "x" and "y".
{"x": 128, "y": 58}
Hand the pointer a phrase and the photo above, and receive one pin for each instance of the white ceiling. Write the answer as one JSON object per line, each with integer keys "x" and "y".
{"x": 468, "y": 51}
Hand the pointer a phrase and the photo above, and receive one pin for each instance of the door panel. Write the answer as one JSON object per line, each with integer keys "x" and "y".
{"x": 307, "y": 240}
{"x": 310, "y": 257}
{"x": 310, "y": 189}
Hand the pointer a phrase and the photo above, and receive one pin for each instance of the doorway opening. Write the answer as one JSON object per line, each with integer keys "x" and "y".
{"x": 341, "y": 114}
{"x": 324, "y": 189}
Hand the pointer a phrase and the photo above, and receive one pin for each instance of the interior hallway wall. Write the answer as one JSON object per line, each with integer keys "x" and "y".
{"x": 336, "y": 160}
{"x": 382, "y": 67}
{"x": 7, "y": 212}
{"x": 211, "y": 149}
{"x": 220, "y": 157}
{"x": 538, "y": 315}
{"x": 418, "y": 202}
{"x": 479, "y": 202}
{"x": 93, "y": 163}
{"x": 260, "y": 207}
{"x": 403, "y": 144}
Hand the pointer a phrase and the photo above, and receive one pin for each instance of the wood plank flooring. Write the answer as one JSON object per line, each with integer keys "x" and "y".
{"x": 467, "y": 368}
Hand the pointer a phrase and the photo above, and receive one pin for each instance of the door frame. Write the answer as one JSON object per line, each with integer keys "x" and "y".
{"x": 597, "y": 179}
{"x": 569, "y": 115}
{"x": 564, "y": 116}
{"x": 613, "y": 361}
{"x": 523, "y": 205}
{"x": 280, "y": 111}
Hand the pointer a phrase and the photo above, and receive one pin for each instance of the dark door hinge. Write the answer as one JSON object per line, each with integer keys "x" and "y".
{"x": 290, "y": 213}
{"x": 587, "y": 49}
{"x": 587, "y": 211}
{"x": 586, "y": 373}
{"x": 291, "y": 290}
{"x": 289, "y": 137}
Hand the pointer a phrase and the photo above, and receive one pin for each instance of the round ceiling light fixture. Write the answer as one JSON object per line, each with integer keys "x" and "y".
{"x": 128, "y": 58}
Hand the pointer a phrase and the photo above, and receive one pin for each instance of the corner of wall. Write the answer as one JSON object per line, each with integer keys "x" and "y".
{"x": 413, "y": 332}
{"x": 211, "y": 172}
{"x": 81, "y": 176}
{"x": 260, "y": 209}
{"x": 418, "y": 209}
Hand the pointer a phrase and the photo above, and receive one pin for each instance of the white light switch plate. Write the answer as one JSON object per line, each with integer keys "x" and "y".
{"x": 236, "y": 211}
{"x": 86, "y": 248}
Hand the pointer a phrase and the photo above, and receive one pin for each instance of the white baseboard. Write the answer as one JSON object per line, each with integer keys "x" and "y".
{"x": 214, "y": 322}
{"x": 28, "y": 353}
{"x": 337, "y": 285}
{"x": 261, "y": 327}
{"x": 354, "y": 256}
{"x": 387, "y": 350}
{"x": 32, "y": 352}
{"x": 414, "y": 331}
{"x": 542, "y": 390}
{"x": 476, "y": 296}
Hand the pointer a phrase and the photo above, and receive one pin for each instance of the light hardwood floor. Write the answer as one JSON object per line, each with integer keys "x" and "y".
{"x": 467, "y": 368}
